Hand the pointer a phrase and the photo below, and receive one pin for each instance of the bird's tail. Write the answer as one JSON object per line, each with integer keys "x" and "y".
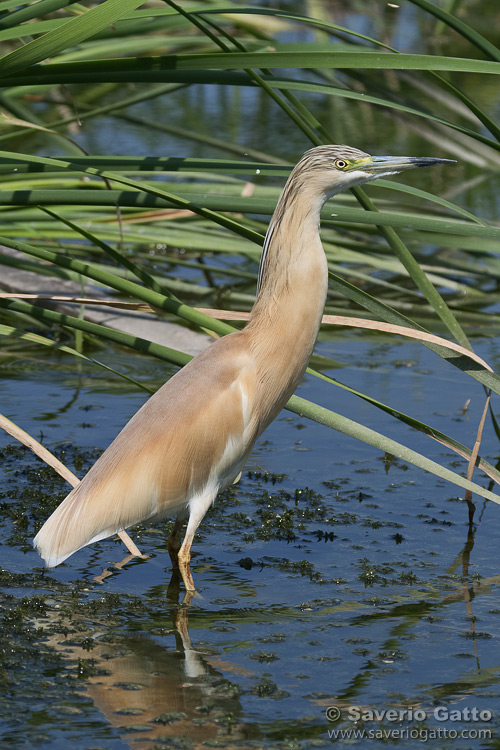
{"x": 72, "y": 526}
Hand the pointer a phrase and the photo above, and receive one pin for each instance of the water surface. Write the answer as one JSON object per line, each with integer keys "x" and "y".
{"x": 331, "y": 579}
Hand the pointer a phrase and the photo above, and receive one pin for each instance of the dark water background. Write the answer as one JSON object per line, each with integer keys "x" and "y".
{"x": 329, "y": 576}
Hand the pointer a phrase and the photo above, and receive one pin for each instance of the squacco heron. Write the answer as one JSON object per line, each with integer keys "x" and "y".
{"x": 192, "y": 438}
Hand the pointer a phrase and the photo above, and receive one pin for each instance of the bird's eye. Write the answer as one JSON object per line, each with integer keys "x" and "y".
{"x": 341, "y": 163}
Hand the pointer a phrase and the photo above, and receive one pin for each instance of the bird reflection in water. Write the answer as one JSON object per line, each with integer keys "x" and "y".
{"x": 149, "y": 690}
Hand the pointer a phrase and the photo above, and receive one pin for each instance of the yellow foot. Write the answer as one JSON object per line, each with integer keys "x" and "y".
{"x": 185, "y": 572}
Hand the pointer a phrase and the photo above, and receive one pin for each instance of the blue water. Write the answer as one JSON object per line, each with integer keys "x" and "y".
{"x": 378, "y": 598}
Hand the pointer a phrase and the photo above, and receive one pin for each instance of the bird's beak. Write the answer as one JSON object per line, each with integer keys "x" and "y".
{"x": 392, "y": 164}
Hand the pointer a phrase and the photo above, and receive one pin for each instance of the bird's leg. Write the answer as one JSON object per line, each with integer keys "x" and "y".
{"x": 174, "y": 540}
{"x": 184, "y": 558}
{"x": 198, "y": 507}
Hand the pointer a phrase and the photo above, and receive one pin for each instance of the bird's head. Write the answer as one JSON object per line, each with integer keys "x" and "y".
{"x": 337, "y": 168}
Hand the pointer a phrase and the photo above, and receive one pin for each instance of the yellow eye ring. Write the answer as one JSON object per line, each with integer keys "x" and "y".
{"x": 341, "y": 163}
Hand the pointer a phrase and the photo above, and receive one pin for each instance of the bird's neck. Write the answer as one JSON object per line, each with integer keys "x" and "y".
{"x": 285, "y": 318}
{"x": 293, "y": 271}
